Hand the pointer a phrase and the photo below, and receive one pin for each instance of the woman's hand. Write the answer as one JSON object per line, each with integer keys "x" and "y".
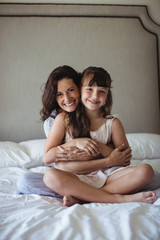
{"x": 72, "y": 153}
{"x": 89, "y": 145}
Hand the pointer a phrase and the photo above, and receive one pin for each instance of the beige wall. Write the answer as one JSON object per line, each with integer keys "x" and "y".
{"x": 28, "y": 56}
{"x": 153, "y": 5}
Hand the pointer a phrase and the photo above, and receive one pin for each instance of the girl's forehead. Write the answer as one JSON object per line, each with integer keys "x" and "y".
{"x": 86, "y": 80}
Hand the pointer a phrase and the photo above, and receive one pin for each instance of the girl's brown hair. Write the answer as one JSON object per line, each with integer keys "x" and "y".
{"x": 77, "y": 122}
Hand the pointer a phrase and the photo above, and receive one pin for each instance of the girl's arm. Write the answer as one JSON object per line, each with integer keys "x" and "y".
{"x": 118, "y": 157}
{"x": 52, "y": 152}
{"x": 121, "y": 156}
{"x": 118, "y": 138}
{"x": 118, "y": 134}
{"x": 105, "y": 150}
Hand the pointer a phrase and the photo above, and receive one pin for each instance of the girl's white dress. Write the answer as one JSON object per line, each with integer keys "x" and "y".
{"x": 103, "y": 135}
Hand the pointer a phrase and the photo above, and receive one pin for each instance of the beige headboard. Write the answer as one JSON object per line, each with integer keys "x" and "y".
{"x": 36, "y": 38}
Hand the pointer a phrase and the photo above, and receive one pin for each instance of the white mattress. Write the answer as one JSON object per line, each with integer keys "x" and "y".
{"x": 34, "y": 217}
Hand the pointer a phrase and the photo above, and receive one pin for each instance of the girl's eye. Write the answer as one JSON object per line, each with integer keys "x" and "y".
{"x": 102, "y": 92}
{"x": 89, "y": 89}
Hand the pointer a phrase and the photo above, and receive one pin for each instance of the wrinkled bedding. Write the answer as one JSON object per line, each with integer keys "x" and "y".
{"x": 33, "y": 216}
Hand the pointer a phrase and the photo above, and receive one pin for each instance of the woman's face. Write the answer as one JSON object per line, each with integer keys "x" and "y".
{"x": 67, "y": 95}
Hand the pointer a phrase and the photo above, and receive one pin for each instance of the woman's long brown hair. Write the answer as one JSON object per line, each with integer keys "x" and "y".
{"x": 50, "y": 89}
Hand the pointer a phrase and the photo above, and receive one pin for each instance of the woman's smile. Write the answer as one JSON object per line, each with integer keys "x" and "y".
{"x": 67, "y": 94}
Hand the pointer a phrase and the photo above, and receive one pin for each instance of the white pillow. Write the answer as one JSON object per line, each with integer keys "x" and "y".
{"x": 34, "y": 148}
{"x": 144, "y": 145}
{"x": 13, "y": 155}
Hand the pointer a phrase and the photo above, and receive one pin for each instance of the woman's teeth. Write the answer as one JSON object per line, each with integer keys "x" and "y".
{"x": 69, "y": 104}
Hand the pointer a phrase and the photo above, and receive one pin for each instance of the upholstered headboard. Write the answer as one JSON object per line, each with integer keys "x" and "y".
{"x": 36, "y": 38}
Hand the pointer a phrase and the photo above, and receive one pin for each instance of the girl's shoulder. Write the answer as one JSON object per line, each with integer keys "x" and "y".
{"x": 112, "y": 116}
{"x": 116, "y": 125}
{"x": 113, "y": 121}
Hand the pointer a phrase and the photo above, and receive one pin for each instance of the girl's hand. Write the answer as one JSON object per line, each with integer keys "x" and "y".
{"x": 89, "y": 145}
{"x": 121, "y": 157}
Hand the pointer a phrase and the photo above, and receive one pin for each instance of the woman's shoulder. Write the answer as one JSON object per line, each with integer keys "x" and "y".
{"x": 60, "y": 116}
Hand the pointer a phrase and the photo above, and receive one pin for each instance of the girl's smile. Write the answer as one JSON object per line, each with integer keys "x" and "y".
{"x": 93, "y": 97}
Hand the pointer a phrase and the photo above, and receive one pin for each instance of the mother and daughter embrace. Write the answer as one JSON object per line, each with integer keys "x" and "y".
{"x": 86, "y": 144}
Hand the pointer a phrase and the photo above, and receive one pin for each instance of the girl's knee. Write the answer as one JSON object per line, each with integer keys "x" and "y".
{"x": 51, "y": 177}
{"x": 147, "y": 171}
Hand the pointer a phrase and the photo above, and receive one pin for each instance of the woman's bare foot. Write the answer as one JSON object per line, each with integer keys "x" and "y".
{"x": 70, "y": 201}
{"x": 146, "y": 197}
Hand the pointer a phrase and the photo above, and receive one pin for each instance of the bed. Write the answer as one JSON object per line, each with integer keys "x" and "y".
{"x": 43, "y": 217}
{"x": 35, "y": 39}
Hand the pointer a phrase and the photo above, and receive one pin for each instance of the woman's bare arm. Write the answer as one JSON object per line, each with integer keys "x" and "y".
{"x": 121, "y": 156}
{"x": 118, "y": 157}
{"x": 54, "y": 139}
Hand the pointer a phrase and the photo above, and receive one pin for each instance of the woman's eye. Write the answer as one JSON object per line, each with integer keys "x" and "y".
{"x": 70, "y": 90}
{"x": 58, "y": 94}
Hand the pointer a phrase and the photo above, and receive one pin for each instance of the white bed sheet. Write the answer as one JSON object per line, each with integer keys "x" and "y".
{"x": 33, "y": 217}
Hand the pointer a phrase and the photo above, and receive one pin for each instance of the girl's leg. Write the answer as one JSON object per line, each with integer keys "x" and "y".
{"x": 154, "y": 184}
{"x": 67, "y": 184}
{"x": 129, "y": 180}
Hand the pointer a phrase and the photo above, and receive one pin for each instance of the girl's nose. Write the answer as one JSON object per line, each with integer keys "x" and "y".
{"x": 95, "y": 94}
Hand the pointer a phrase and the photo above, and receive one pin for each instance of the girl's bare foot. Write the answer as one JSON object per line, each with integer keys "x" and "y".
{"x": 70, "y": 201}
{"x": 146, "y": 197}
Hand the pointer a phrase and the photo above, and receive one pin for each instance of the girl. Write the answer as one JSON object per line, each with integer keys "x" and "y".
{"x": 92, "y": 119}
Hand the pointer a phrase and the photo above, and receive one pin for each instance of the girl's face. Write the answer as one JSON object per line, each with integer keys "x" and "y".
{"x": 67, "y": 95}
{"x": 93, "y": 97}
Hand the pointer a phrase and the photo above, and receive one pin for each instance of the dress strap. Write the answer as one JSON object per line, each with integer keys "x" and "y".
{"x": 109, "y": 121}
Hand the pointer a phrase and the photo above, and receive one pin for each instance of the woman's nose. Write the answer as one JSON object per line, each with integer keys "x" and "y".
{"x": 66, "y": 97}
